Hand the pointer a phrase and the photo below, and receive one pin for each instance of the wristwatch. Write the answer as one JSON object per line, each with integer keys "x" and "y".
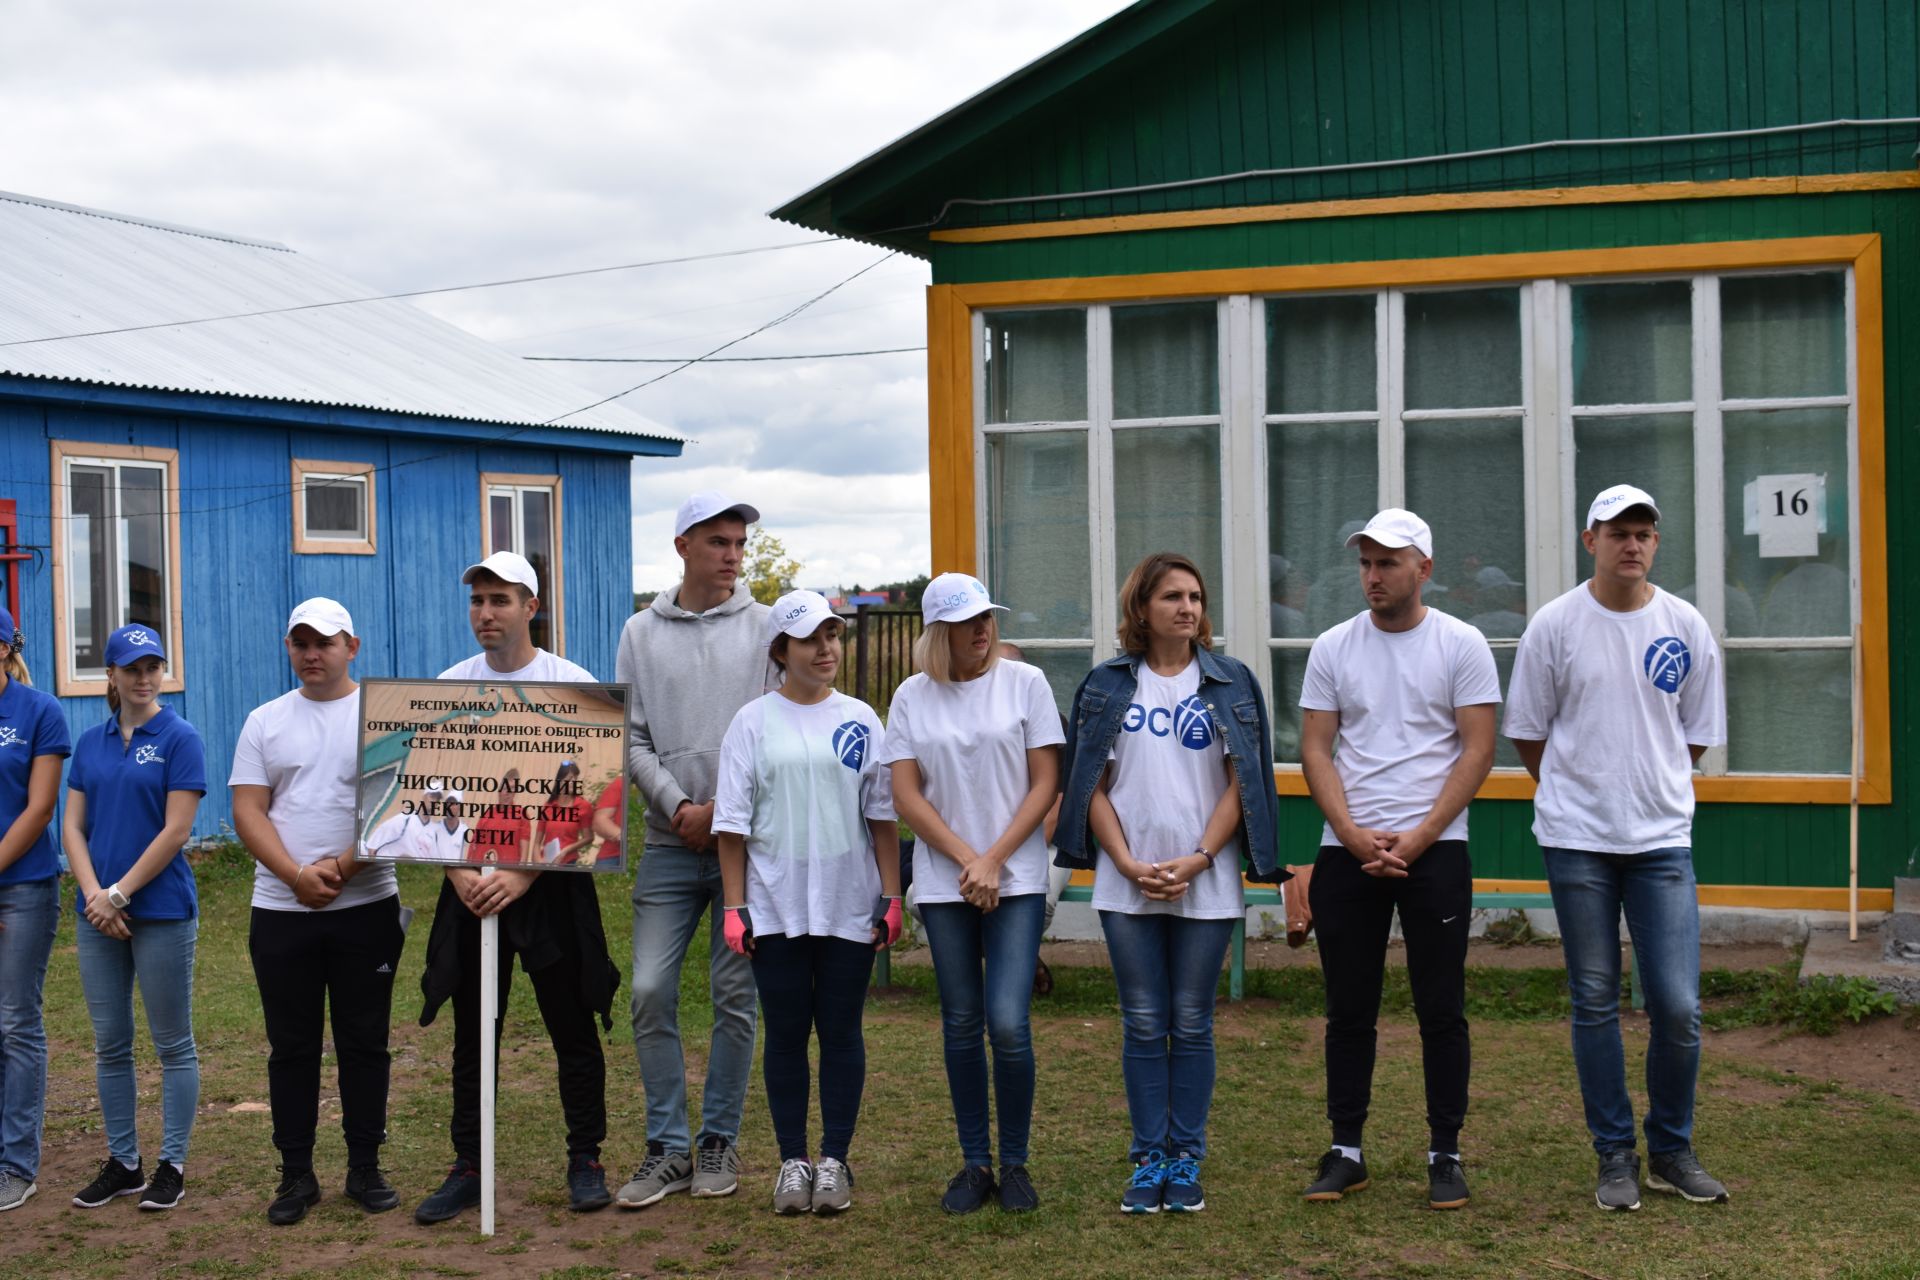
{"x": 119, "y": 900}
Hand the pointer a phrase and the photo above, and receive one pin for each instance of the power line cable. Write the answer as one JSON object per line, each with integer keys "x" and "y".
{"x": 812, "y": 355}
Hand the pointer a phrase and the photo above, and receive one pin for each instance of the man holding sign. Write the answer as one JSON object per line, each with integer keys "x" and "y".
{"x": 1616, "y": 693}
{"x": 552, "y": 922}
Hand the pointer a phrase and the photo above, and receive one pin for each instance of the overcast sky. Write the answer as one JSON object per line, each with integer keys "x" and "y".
{"x": 431, "y": 143}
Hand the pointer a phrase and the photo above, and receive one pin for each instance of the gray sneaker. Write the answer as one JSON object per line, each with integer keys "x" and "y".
{"x": 793, "y": 1190}
{"x": 1619, "y": 1180}
{"x": 661, "y": 1174}
{"x": 716, "y": 1167}
{"x": 15, "y": 1190}
{"x": 832, "y": 1186}
{"x": 1680, "y": 1173}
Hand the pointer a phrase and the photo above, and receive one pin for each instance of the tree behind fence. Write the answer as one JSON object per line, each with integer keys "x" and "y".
{"x": 878, "y": 654}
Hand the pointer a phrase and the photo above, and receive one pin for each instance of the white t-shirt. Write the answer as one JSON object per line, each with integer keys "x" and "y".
{"x": 307, "y": 753}
{"x": 1395, "y": 693}
{"x": 800, "y": 782}
{"x": 1618, "y": 697}
{"x": 970, "y": 739}
{"x": 408, "y": 835}
{"x": 1169, "y": 767}
{"x": 545, "y": 668}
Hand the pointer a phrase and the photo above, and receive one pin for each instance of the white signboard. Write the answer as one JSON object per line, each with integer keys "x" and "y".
{"x": 1788, "y": 513}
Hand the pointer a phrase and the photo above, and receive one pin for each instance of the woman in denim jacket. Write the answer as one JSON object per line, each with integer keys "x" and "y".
{"x": 1169, "y": 766}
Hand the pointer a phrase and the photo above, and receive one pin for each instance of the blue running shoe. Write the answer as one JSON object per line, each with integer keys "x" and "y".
{"x": 1183, "y": 1193}
{"x": 1146, "y": 1186}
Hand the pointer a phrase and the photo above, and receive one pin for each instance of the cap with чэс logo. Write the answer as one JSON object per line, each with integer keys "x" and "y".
{"x": 798, "y": 614}
{"x": 133, "y": 642}
{"x": 1394, "y": 528}
{"x": 328, "y": 617}
{"x": 1608, "y": 504}
{"x": 955, "y": 597}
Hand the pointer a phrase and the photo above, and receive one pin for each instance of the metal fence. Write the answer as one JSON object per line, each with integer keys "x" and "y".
{"x": 878, "y": 654}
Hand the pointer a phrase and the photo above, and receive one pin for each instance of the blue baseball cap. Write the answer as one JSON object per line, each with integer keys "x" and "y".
{"x": 133, "y": 642}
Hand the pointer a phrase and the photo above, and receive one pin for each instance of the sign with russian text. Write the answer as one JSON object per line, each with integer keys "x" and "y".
{"x": 477, "y": 773}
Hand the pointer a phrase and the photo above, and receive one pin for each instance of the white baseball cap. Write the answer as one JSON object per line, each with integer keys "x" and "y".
{"x": 508, "y": 566}
{"x": 1395, "y": 527}
{"x": 1609, "y": 503}
{"x": 707, "y": 504}
{"x": 798, "y": 614}
{"x": 328, "y": 617}
{"x": 436, "y": 787}
{"x": 955, "y": 597}
{"x": 452, "y": 796}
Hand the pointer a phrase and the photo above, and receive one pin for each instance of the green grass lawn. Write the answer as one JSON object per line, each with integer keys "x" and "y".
{"x": 1825, "y": 1181}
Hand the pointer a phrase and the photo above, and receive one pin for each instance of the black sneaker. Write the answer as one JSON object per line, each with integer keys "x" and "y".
{"x": 1183, "y": 1193}
{"x": 299, "y": 1191}
{"x": 460, "y": 1191}
{"x": 586, "y": 1185}
{"x": 1339, "y": 1176}
{"x": 1679, "y": 1172}
{"x": 968, "y": 1190}
{"x": 1147, "y": 1186}
{"x": 369, "y": 1188}
{"x": 1446, "y": 1183}
{"x": 1619, "y": 1186}
{"x": 114, "y": 1179}
{"x": 1016, "y": 1190}
{"x": 165, "y": 1189}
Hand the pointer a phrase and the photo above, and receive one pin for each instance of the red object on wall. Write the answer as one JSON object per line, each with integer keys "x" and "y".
{"x": 10, "y": 555}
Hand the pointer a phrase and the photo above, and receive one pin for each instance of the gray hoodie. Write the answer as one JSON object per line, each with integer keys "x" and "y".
{"x": 690, "y": 672}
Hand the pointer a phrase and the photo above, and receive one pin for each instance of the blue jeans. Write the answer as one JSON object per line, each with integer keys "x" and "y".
{"x": 160, "y": 954}
{"x": 29, "y": 914}
{"x": 1656, "y": 891}
{"x": 1167, "y": 969}
{"x": 673, "y": 891}
{"x": 983, "y": 963}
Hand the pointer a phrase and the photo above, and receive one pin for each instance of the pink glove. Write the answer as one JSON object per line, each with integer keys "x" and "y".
{"x": 888, "y": 920}
{"x": 737, "y": 927}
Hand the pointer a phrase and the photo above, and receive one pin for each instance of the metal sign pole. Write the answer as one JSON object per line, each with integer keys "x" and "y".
{"x": 489, "y": 1084}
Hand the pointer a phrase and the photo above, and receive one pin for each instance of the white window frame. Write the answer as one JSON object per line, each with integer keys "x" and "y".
{"x": 359, "y": 474}
{"x": 553, "y": 588}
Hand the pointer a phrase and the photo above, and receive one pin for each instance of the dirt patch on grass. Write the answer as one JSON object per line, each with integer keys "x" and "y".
{"x": 1879, "y": 1056}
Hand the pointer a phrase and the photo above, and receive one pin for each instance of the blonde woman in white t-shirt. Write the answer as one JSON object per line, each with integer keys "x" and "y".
{"x": 810, "y": 868}
{"x": 973, "y": 743}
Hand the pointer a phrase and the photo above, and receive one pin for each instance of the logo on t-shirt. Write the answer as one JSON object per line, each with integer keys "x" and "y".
{"x": 1191, "y": 723}
{"x": 1667, "y": 662}
{"x": 149, "y": 755}
{"x": 9, "y": 736}
{"x": 850, "y": 744}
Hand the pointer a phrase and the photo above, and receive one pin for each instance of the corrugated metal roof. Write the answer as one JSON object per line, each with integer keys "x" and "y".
{"x": 68, "y": 270}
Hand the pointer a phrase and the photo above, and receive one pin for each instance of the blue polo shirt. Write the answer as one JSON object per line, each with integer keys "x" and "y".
{"x": 126, "y": 788}
{"x": 31, "y": 726}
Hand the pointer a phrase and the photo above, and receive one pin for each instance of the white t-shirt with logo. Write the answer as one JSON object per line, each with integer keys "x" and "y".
{"x": 545, "y": 668}
{"x": 1169, "y": 767}
{"x": 1395, "y": 693}
{"x": 970, "y": 739}
{"x": 1618, "y": 697}
{"x": 800, "y": 783}
{"x": 307, "y": 753}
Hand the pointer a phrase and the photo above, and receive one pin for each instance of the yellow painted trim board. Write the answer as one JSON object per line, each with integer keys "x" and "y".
{"x": 952, "y": 482}
{"x": 1438, "y": 202}
{"x": 1766, "y": 896}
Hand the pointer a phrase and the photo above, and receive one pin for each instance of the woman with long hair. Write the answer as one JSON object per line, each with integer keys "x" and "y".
{"x": 33, "y": 742}
{"x": 973, "y": 743}
{"x": 810, "y": 864}
{"x": 1169, "y": 765}
{"x": 135, "y": 785}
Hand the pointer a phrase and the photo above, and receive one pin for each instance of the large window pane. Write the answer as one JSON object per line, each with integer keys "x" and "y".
{"x": 1633, "y": 343}
{"x": 1321, "y": 355}
{"x": 90, "y": 548}
{"x": 1036, "y": 366}
{"x": 1789, "y": 711}
{"x": 1463, "y": 349}
{"x": 536, "y": 544}
{"x": 1065, "y": 669}
{"x": 143, "y": 516}
{"x": 1504, "y": 756}
{"x": 1166, "y": 360}
{"x": 1655, "y": 452}
{"x": 1466, "y": 479}
{"x": 1038, "y": 557}
{"x": 1289, "y": 673}
{"x": 336, "y": 507}
{"x": 1322, "y": 484}
{"x": 1166, "y": 497}
{"x": 500, "y": 520}
{"x": 1783, "y": 335}
{"x": 1786, "y": 594}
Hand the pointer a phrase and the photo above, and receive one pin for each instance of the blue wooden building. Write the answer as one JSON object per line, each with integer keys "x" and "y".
{"x": 198, "y": 430}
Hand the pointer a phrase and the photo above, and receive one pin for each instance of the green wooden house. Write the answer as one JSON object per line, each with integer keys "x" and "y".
{"x": 1229, "y": 275}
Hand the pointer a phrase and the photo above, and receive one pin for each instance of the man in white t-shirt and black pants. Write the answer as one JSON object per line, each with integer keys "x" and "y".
{"x": 326, "y": 934}
{"x": 550, "y": 920}
{"x": 1410, "y": 693}
{"x": 1616, "y": 694}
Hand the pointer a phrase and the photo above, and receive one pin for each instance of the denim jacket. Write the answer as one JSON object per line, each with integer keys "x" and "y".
{"x": 1239, "y": 713}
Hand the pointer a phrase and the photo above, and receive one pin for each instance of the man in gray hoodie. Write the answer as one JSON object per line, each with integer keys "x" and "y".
{"x": 695, "y": 656}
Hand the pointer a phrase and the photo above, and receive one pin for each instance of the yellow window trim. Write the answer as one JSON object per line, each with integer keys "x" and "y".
{"x": 305, "y": 546}
{"x": 175, "y": 680}
{"x": 950, "y": 394}
{"x": 1439, "y": 202}
{"x": 554, "y": 595}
